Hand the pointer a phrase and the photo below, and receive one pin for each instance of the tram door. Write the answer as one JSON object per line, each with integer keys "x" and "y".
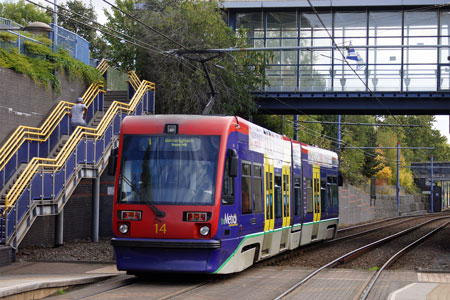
{"x": 316, "y": 200}
{"x": 286, "y": 205}
{"x": 269, "y": 220}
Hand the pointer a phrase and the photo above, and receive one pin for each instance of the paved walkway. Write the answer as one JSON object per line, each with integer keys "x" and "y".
{"x": 35, "y": 280}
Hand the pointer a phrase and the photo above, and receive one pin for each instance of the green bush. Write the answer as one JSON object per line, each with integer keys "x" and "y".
{"x": 8, "y": 37}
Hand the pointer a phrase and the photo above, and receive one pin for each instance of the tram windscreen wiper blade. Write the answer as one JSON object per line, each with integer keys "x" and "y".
{"x": 159, "y": 213}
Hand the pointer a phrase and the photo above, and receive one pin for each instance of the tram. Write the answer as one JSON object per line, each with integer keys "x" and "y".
{"x": 215, "y": 194}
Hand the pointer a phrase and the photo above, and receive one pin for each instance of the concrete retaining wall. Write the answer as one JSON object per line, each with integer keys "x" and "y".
{"x": 354, "y": 206}
{"x": 23, "y": 102}
{"x": 386, "y": 205}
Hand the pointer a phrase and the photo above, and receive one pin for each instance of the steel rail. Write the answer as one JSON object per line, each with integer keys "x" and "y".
{"x": 372, "y": 230}
{"x": 371, "y": 223}
{"x": 354, "y": 254}
{"x": 394, "y": 258}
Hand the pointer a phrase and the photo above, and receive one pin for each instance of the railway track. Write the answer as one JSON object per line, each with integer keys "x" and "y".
{"x": 165, "y": 287}
{"x": 351, "y": 255}
{"x": 395, "y": 257}
{"x": 356, "y": 232}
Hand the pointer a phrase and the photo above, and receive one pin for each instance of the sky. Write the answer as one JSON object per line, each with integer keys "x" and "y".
{"x": 442, "y": 124}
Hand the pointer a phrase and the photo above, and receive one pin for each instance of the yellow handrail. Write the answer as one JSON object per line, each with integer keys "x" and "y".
{"x": 134, "y": 80}
{"x": 42, "y": 133}
{"x": 54, "y": 164}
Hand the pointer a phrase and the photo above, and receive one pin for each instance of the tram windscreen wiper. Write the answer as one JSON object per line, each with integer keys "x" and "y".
{"x": 159, "y": 213}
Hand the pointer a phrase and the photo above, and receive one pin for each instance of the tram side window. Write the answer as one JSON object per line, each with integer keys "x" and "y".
{"x": 335, "y": 191}
{"x": 278, "y": 197}
{"x": 228, "y": 185}
{"x": 246, "y": 185}
{"x": 257, "y": 189}
{"x": 323, "y": 195}
{"x": 332, "y": 190}
{"x": 297, "y": 197}
{"x": 309, "y": 196}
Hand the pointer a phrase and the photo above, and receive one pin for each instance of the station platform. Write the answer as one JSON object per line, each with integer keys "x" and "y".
{"x": 37, "y": 280}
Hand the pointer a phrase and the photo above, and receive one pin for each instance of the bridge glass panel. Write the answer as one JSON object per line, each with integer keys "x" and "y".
{"x": 253, "y": 23}
{"x": 445, "y": 77}
{"x": 379, "y": 50}
{"x": 384, "y": 77}
{"x": 315, "y": 64}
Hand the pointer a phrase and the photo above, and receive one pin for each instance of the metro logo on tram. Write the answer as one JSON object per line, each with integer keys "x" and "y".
{"x": 229, "y": 219}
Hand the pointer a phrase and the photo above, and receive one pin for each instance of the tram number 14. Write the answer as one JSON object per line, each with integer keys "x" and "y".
{"x": 160, "y": 228}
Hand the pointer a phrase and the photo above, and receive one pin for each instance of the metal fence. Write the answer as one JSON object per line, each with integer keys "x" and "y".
{"x": 76, "y": 45}
{"x": 61, "y": 38}
{"x": 19, "y": 43}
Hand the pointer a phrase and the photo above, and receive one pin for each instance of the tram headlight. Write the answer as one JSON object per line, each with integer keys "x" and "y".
{"x": 204, "y": 230}
{"x": 123, "y": 228}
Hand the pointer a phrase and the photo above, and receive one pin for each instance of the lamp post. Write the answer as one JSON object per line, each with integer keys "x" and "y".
{"x": 34, "y": 27}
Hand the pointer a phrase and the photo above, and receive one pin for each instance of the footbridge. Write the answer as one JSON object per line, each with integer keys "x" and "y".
{"x": 350, "y": 57}
{"x": 41, "y": 167}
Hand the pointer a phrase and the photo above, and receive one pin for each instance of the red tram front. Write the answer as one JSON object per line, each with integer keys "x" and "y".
{"x": 194, "y": 194}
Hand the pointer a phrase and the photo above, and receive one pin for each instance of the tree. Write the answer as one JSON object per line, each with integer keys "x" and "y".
{"x": 122, "y": 55}
{"x": 182, "y": 85}
{"x": 73, "y": 11}
{"x": 23, "y": 14}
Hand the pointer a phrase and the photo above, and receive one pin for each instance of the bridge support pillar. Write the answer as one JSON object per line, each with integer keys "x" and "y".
{"x": 60, "y": 229}
{"x": 96, "y": 210}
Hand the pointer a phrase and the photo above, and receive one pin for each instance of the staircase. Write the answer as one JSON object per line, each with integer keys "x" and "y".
{"x": 46, "y": 164}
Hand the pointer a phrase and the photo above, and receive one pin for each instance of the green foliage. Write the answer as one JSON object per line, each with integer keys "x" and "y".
{"x": 374, "y": 269}
{"x": 60, "y": 291}
{"x": 23, "y": 13}
{"x": 36, "y": 49}
{"x": 76, "y": 10}
{"x": 182, "y": 84}
{"x": 122, "y": 54}
{"x": 8, "y": 37}
{"x": 42, "y": 65}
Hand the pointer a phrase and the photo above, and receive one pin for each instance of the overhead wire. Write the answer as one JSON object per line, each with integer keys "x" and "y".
{"x": 134, "y": 18}
{"x": 150, "y": 48}
{"x": 119, "y": 35}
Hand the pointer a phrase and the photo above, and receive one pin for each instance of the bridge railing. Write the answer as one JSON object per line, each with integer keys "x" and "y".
{"x": 45, "y": 179}
{"x": 27, "y": 142}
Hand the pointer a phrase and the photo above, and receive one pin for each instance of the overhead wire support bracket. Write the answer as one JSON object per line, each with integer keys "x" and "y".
{"x": 213, "y": 93}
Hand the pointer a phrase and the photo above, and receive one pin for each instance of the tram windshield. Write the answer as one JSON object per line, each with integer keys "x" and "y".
{"x": 179, "y": 170}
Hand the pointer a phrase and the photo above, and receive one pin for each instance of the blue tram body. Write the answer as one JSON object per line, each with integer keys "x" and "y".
{"x": 210, "y": 194}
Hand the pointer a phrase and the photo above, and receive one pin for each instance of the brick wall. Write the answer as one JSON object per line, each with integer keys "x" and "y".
{"x": 41, "y": 233}
{"x": 7, "y": 255}
{"x": 78, "y": 212}
{"x": 22, "y": 102}
{"x": 77, "y": 216}
{"x": 106, "y": 205}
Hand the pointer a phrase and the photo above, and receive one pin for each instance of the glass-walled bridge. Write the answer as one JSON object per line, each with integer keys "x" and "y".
{"x": 352, "y": 56}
